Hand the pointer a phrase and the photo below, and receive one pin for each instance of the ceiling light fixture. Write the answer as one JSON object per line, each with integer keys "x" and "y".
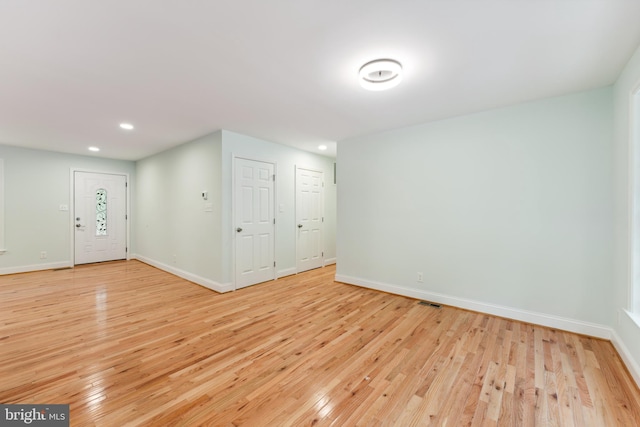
{"x": 94, "y": 149}
{"x": 127, "y": 126}
{"x": 322, "y": 147}
{"x": 381, "y": 74}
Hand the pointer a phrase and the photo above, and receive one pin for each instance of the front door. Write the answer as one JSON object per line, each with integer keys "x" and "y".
{"x": 309, "y": 219}
{"x": 254, "y": 215}
{"x": 100, "y": 217}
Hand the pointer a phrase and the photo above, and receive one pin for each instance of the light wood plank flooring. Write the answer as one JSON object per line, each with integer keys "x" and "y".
{"x": 126, "y": 344}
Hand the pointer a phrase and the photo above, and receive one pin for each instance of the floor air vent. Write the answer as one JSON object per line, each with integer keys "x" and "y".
{"x": 429, "y": 303}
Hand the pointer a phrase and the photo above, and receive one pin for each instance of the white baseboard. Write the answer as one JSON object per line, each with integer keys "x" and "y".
{"x": 551, "y": 321}
{"x": 329, "y": 261}
{"x": 36, "y": 267}
{"x": 207, "y": 283}
{"x": 286, "y": 272}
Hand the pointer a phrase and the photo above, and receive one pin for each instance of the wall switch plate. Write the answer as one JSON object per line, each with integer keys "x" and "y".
{"x": 64, "y": 207}
{"x": 420, "y": 277}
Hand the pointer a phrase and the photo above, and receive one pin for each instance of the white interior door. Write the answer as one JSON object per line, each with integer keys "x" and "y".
{"x": 100, "y": 217}
{"x": 254, "y": 202}
{"x": 309, "y": 219}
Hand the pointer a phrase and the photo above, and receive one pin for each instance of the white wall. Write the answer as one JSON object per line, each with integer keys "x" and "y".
{"x": 507, "y": 211}
{"x": 286, "y": 159}
{"x": 177, "y": 230}
{"x": 36, "y": 184}
{"x": 627, "y": 330}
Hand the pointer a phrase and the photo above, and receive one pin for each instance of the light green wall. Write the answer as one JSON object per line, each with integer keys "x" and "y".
{"x": 625, "y": 327}
{"x": 36, "y": 184}
{"x": 510, "y": 207}
{"x": 177, "y": 228}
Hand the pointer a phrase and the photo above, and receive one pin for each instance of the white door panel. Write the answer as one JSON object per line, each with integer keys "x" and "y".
{"x": 309, "y": 219}
{"x": 254, "y": 221}
{"x": 100, "y": 211}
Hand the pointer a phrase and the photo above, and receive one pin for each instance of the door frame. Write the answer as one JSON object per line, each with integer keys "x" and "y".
{"x": 233, "y": 213}
{"x": 72, "y": 209}
{"x": 295, "y": 207}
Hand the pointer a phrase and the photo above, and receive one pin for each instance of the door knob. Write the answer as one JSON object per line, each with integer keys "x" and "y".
{"x": 78, "y": 225}
{"x": 238, "y": 229}
{"x": 299, "y": 225}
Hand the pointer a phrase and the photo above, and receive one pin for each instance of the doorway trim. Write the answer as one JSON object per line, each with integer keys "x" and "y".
{"x": 72, "y": 207}
{"x": 234, "y": 157}
{"x": 633, "y": 305}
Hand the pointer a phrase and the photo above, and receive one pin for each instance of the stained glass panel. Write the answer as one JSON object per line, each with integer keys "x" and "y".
{"x": 101, "y": 212}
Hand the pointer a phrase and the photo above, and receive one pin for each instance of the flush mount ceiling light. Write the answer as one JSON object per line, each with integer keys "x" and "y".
{"x": 94, "y": 149}
{"x": 127, "y": 126}
{"x": 381, "y": 74}
{"x": 322, "y": 147}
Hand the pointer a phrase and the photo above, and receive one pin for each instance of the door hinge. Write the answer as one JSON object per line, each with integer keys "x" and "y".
{"x": 274, "y": 263}
{"x": 126, "y": 184}
{"x": 274, "y": 220}
{"x": 126, "y": 217}
{"x": 274, "y": 176}
{"x": 126, "y": 249}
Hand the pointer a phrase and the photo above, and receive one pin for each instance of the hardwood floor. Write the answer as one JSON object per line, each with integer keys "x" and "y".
{"x": 126, "y": 344}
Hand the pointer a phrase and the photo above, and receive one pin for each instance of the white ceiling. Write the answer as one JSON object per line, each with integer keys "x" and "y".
{"x": 286, "y": 70}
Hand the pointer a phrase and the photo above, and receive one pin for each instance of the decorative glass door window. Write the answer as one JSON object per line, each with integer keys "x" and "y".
{"x": 101, "y": 212}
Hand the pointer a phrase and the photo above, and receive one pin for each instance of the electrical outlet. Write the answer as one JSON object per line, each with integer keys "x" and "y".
{"x": 43, "y": 255}
{"x": 420, "y": 277}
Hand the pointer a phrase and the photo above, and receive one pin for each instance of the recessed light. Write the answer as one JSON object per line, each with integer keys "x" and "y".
{"x": 95, "y": 149}
{"x": 127, "y": 126}
{"x": 322, "y": 147}
{"x": 381, "y": 74}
